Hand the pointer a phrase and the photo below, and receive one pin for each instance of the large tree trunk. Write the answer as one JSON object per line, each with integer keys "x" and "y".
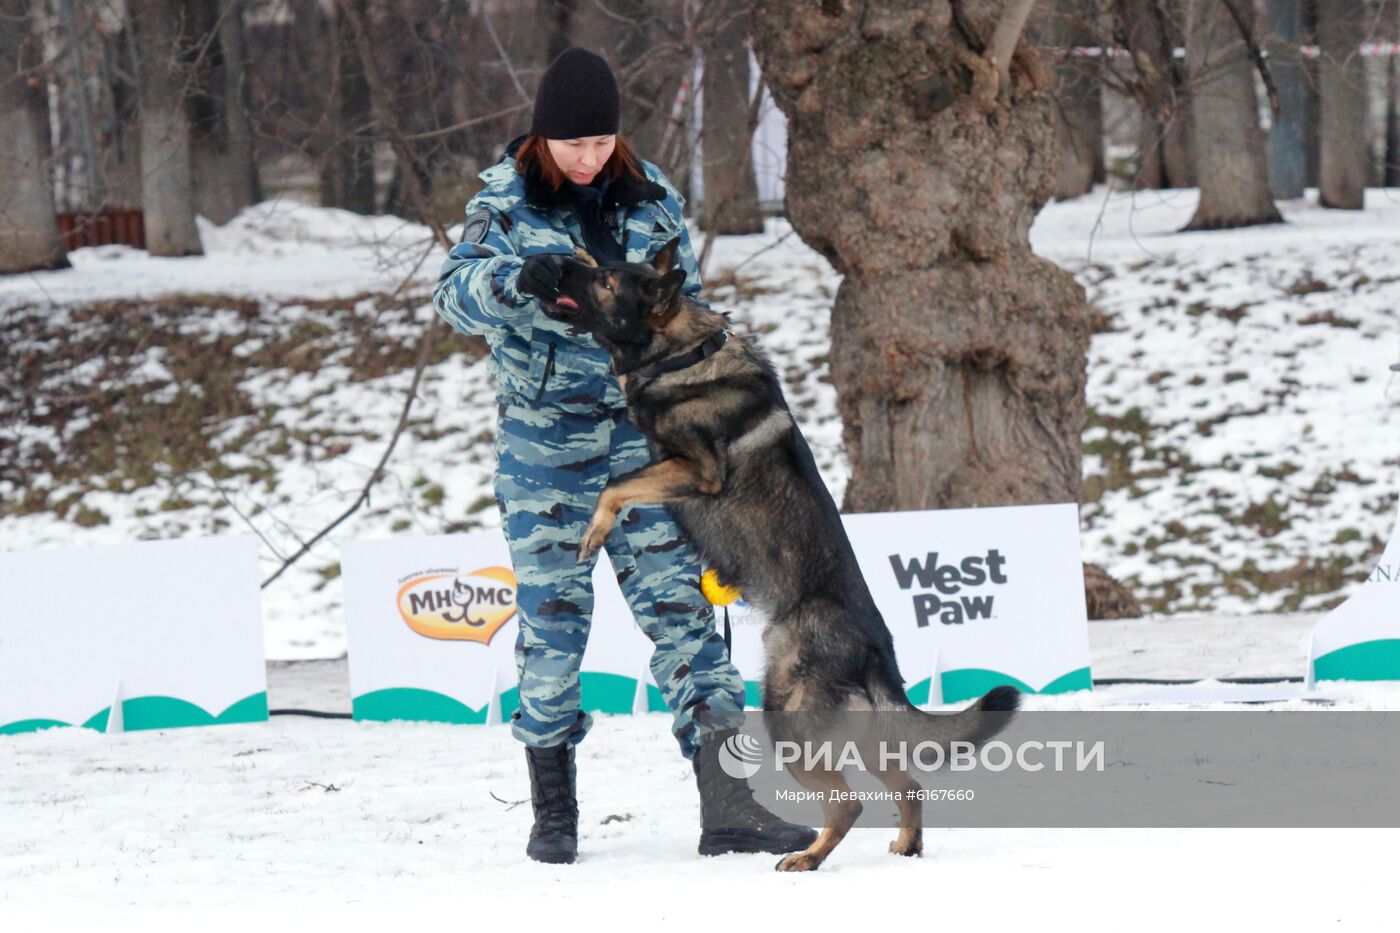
{"x": 352, "y": 159}
{"x": 226, "y": 176}
{"x": 119, "y": 109}
{"x": 77, "y": 138}
{"x": 1310, "y": 103}
{"x": 1079, "y": 122}
{"x": 1343, "y": 157}
{"x": 1287, "y": 159}
{"x": 1225, "y": 114}
{"x": 29, "y": 236}
{"x": 651, "y": 81}
{"x": 167, "y": 177}
{"x": 558, "y": 16}
{"x": 339, "y": 143}
{"x": 731, "y": 191}
{"x": 1391, "y": 173}
{"x": 418, "y": 72}
{"x": 1152, "y": 29}
{"x": 958, "y": 355}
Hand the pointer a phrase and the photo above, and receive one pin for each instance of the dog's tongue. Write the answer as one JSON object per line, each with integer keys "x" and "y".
{"x": 564, "y": 301}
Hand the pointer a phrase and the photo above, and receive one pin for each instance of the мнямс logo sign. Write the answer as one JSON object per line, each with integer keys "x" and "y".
{"x": 458, "y": 606}
{"x": 948, "y": 603}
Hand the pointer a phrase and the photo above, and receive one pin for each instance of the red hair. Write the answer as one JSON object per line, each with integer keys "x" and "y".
{"x": 534, "y": 154}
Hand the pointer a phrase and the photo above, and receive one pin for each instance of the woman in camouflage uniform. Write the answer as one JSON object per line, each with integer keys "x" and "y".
{"x": 563, "y": 432}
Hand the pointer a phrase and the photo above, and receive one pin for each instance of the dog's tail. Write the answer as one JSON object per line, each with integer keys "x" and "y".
{"x": 979, "y": 721}
{"x": 976, "y": 723}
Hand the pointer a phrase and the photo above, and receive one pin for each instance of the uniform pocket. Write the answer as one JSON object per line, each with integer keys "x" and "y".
{"x": 546, "y": 373}
{"x": 564, "y": 373}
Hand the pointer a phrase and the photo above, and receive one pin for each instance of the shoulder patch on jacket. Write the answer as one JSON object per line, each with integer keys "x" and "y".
{"x": 477, "y": 225}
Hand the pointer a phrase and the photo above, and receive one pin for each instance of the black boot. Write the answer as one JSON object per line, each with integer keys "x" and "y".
{"x": 554, "y": 837}
{"x": 730, "y": 819}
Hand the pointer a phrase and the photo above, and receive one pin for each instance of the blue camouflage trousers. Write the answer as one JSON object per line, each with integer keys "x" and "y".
{"x": 551, "y": 466}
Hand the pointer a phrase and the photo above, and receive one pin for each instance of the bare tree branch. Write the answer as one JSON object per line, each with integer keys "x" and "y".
{"x": 505, "y": 57}
{"x": 1256, "y": 54}
{"x": 1004, "y": 38}
{"x": 387, "y": 118}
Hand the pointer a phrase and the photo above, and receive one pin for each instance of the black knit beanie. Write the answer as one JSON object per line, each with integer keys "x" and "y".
{"x": 577, "y": 96}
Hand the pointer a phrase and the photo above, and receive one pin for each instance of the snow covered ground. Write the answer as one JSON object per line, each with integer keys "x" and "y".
{"x": 310, "y": 820}
{"x": 303, "y": 819}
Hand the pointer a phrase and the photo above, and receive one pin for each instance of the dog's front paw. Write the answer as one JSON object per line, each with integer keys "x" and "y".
{"x": 593, "y": 539}
{"x": 799, "y": 861}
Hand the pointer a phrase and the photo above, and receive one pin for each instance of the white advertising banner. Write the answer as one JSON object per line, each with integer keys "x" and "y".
{"x": 145, "y": 635}
{"x": 974, "y": 598}
{"x": 1360, "y": 639}
{"x": 431, "y": 623}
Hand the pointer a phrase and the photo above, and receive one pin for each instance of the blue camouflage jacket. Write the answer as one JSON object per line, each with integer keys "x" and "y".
{"x": 514, "y": 216}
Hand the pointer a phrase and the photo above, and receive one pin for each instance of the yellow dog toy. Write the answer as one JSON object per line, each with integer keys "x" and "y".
{"x": 716, "y": 592}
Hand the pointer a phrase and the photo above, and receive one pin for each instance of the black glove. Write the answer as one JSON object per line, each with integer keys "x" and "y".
{"x": 539, "y": 276}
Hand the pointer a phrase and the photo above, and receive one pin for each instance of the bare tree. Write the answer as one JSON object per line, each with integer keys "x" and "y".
{"x": 1310, "y": 98}
{"x": 648, "y": 92}
{"x": 83, "y": 188}
{"x": 29, "y": 236}
{"x": 1151, "y": 30}
{"x": 419, "y": 73}
{"x": 1343, "y": 155}
{"x": 1287, "y": 158}
{"x": 1390, "y": 19}
{"x": 731, "y": 190}
{"x": 311, "y": 101}
{"x": 225, "y": 169}
{"x": 559, "y": 14}
{"x": 1079, "y": 94}
{"x": 117, "y": 109}
{"x": 920, "y": 150}
{"x": 1225, "y": 114}
{"x": 167, "y": 178}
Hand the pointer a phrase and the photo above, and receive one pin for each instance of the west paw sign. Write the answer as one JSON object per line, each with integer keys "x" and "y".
{"x": 977, "y": 598}
{"x": 1360, "y": 639}
{"x": 974, "y": 598}
{"x": 168, "y": 633}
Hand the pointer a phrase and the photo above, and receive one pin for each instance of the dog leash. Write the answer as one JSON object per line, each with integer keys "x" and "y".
{"x": 719, "y": 595}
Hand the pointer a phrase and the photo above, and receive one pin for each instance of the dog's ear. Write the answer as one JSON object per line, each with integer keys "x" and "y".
{"x": 585, "y": 257}
{"x": 668, "y": 299}
{"x": 665, "y": 259}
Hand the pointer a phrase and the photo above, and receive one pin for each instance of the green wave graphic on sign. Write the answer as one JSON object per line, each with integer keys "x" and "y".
{"x": 966, "y": 684}
{"x": 157, "y": 712}
{"x": 1368, "y": 660}
{"x": 31, "y": 725}
{"x": 969, "y": 683}
{"x": 607, "y": 693}
{"x": 413, "y": 704}
{"x": 601, "y": 693}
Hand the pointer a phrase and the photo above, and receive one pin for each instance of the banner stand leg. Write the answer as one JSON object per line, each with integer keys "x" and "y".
{"x": 493, "y": 708}
{"x": 935, "y": 684}
{"x": 641, "y": 701}
{"x": 115, "y": 721}
{"x": 1310, "y": 675}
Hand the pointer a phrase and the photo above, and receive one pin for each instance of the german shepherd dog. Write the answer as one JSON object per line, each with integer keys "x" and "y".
{"x": 739, "y": 479}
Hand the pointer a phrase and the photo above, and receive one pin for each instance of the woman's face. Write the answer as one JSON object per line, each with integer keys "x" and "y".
{"x": 581, "y": 159}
